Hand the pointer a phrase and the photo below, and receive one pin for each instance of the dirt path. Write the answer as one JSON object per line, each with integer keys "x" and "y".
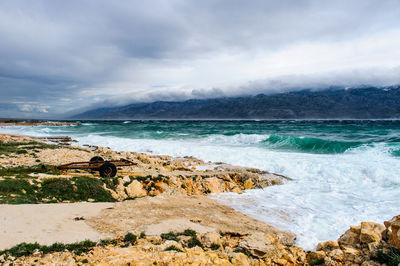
{"x": 48, "y": 223}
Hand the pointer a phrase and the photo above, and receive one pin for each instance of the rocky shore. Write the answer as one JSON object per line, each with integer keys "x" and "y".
{"x": 158, "y": 213}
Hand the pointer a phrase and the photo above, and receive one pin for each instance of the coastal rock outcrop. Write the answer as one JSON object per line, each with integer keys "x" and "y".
{"x": 367, "y": 244}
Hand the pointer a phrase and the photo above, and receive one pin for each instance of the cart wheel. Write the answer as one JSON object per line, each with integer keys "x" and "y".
{"x": 96, "y": 159}
{"x": 108, "y": 170}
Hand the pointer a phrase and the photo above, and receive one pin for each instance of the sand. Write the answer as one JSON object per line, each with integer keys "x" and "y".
{"x": 48, "y": 223}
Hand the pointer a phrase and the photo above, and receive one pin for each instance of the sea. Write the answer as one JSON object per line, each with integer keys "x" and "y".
{"x": 343, "y": 171}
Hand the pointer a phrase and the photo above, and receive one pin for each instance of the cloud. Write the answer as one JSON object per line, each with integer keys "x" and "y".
{"x": 65, "y": 55}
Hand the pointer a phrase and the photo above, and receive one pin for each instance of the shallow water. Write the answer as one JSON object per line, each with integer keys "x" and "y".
{"x": 344, "y": 172}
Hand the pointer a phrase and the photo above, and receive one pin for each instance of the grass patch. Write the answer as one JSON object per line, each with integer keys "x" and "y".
{"x": 173, "y": 248}
{"x": 24, "y": 147}
{"x": 26, "y": 249}
{"x": 18, "y": 191}
{"x": 24, "y": 171}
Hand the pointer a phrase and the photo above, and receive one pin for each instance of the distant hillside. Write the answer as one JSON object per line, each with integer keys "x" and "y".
{"x": 358, "y": 103}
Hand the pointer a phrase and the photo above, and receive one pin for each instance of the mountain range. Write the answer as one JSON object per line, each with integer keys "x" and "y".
{"x": 333, "y": 103}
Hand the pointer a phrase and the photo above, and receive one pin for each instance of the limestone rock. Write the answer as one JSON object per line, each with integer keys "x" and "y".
{"x": 393, "y": 228}
{"x": 351, "y": 254}
{"x": 258, "y": 244}
{"x": 248, "y": 184}
{"x": 316, "y": 256}
{"x": 135, "y": 189}
{"x": 336, "y": 254}
{"x": 214, "y": 185}
{"x": 327, "y": 245}
{"x": 371, "y": 232}
{"x": 349, "y": 238}
{"x": 210, "y": 238}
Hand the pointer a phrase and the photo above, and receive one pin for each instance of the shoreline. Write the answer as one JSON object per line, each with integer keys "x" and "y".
{"x": 157, "y": 180}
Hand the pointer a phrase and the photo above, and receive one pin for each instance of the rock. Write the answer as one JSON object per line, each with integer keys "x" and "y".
{"x": 316, "y": 256}
{"x": 330, "y": 262}
{"x": 210, "y": 238}
{"x": 257, "y": 244}
{"x": 336, "y": 254}
{"x": 248, "y": 184}
{"x": 240, "y": 259}
{"x": 371, "y": 232}
{"x": 214, "y": 185}
{"x": 393, "y": 230}
{"x": 327, "y": 245}
{"x": 126, "y": 179}
{"x": 119, "y": 193}
{"x": 351, "y": 254}
{"x": 349, "y": 238}
{"x": 135, "y": 189}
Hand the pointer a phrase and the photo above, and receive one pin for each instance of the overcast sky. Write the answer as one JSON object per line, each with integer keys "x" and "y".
{"x": 57, "y": 56}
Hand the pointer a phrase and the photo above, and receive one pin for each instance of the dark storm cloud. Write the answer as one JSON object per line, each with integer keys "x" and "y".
{"x": 56, "y": 56}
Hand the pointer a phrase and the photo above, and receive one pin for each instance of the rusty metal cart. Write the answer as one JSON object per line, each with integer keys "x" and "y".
{"x": 106, "y": 168}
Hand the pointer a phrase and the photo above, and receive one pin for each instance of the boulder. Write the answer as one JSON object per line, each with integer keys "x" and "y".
{"x": 258, "y": 244}
{"x": 336, "y": 254}
{"x": 393, "y": 230}
{"x": 351, "y": 254}
{"x": 327, "y": 245}
{"x": 316, "y": 256}
{"x": 214, "y": 185}
{"x": 135, "y": 189}
{"x": 210, "y": 238}
{"x": 349, "y": 238}
{"x": 248, "y": 184}
{"x": 371, "y": 232}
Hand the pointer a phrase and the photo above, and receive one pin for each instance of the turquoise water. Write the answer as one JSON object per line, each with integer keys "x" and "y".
{"x": 344, "y": 172}
{"x": 321, "y": 137}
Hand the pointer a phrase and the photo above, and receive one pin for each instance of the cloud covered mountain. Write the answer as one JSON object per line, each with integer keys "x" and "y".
{"x": 357, "y": 103}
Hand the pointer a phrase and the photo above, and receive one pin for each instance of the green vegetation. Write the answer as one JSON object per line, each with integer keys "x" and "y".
{"x": 142, "y": 235}
{"x": 316, "y": 262}
{"x": 23, "y": 147}
{"x": 192, "y": 242}
{"x": 173, "y": 248}
{"x": 390, "y": 256}
{"x": 130, "y": 238}
{"x": 215, "y": 246}
{"x": 170, "y": 236}
{"x": 24, "y": 171}
{"x": 106, "y": 242}
{"x": 18, "y": 191}
{"x": 26, "y": 249}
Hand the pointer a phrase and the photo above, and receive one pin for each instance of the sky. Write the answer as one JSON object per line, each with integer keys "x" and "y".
{"x": 60, "y": 57}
